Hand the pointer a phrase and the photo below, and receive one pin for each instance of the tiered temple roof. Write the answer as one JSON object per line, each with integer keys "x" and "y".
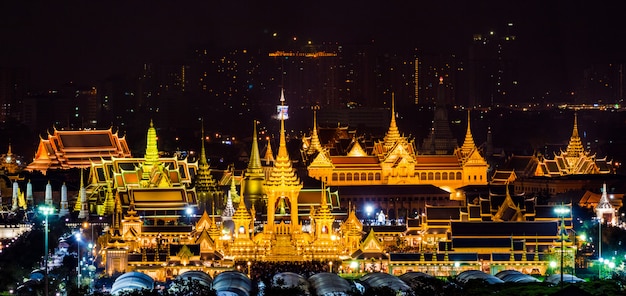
{"x": 77, "y": 149}
{"x": 575, "y": 160}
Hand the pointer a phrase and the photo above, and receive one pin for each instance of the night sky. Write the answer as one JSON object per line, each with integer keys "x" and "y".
{"x": 86, "y": 41}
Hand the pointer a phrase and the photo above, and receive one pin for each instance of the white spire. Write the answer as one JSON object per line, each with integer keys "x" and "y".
{"x": 29, "y": 193}
{"x": 604, "y": 207}
{"x": 84, "y": 211}
{"x": 64, "y": 211}
{"x": 15, "y": 205}
{"x": 48, "y": 195}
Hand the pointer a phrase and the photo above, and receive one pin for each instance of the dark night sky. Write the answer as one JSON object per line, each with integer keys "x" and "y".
{"x": 86, "y": 41}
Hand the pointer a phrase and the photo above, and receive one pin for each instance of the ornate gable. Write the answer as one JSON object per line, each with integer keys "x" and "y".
{"x": 371, "y": 244}
{"x": 402, "y": 152}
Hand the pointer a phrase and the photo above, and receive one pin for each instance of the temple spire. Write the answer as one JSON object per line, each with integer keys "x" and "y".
{"x": 48, "y": 194}
{"x": 84, "y": 205}
{"x": 604, "y": 209}
{"x": 206, "y": 186}
{"x": 393, "y": 134}
{"x": 202, "y": 161}
{"x": 269, "y": 153}
{"x": 282, "y": 144}
{"x": 282, "y": 182}
{"x": 316, "y": 145}
{"x": 575, "y": 146}
{"x": 468, "y": 145}
{"x": 152, "y": 152}
{"x": 64, "y": 205}
{"x": 15, "y": 196}
{"x": 252, "y": 184}
{"x": 254, "y": 166}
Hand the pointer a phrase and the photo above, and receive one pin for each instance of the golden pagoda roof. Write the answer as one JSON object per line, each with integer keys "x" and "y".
{"x": 315, "y": 145}
{"x": 152, "y": 152}
{"x": 323, "y": 212}
{"x": 352, "y": 224}
{"x": 468, "y": 144}
{"x": 255, "y": 169}
{"x": 575, "y": 146}
{"x": 241, "y": 213}
{"x": 393, "y": 135}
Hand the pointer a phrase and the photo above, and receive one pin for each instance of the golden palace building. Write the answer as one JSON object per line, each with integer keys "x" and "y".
{"x": 394, "y": 160}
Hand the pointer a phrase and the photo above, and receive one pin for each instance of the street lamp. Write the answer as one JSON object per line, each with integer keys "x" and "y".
{"x": 78, "y": 239}
{"x": 368, "y": 210}
{"x": 330, "y": 265}
{"x": 599, "y": 245}
{"x": 46, "y": 210}
{"x": 189, "y": 212}
{"x": 562, "y": 211}
{"x": 249, "y": 264}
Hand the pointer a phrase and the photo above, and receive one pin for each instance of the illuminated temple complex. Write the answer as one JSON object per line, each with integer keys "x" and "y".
{"x": 394, "y": 160}
{"x": 574, "y": 161}
{"x": 170, "y": 216}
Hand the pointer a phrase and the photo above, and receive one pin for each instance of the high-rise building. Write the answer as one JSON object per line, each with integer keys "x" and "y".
{"x": 12, "y": 91}
{"x": 493, "y": 68}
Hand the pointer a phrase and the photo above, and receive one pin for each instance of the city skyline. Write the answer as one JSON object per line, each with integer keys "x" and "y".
{"x": 88, "y": 42}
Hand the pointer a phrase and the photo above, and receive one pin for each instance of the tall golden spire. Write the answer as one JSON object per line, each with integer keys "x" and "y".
{"x": 393, "y": 134}
{"x": 323, "y": 218}
{"x": 254, "y": 166}
{"x": 282, "y": 144}
{"x": 283, "y": 182}
{"x": 206, "y": 185}
{"x": 269, "y": 154}
{"x": 468, "y": 144}
{"x": 152, "y": 152}
{"x": 252, "y": 187}
{"x": 575, "y": 147}
{"x": 202, "y": 161}
{"x": 316, "y": 145}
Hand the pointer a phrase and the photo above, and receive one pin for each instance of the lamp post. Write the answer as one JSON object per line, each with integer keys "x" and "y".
{"x": 599, "y": 238}
{"x": 599, "y": 246}
{"x": 46, "y": 210}
{"x": 330, "y": 265}
{"x": 562, "y": 211}
{"x": 78, "y": 239}
{"x": 249, "y": 264}
{"x": 89, "y": 271}
{"x": 189, "y": 212}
